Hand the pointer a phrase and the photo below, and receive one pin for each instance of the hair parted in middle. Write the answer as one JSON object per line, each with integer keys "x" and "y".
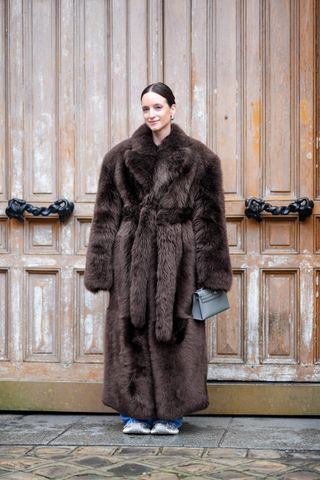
{"x": 161, "y": 89}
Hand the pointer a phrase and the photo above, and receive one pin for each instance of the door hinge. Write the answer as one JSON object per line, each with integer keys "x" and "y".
{"x": 317, "y": 286}
{"x": 317, "y": 143}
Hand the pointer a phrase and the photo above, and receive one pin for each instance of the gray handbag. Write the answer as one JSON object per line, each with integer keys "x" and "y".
{"x": 206, "y": 303}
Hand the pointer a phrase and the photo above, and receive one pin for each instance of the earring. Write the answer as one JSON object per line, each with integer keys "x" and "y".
{"x": 172, "y": 117}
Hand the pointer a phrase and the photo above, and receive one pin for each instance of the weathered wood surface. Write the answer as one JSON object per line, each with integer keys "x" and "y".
{"x": 243, "y": 72}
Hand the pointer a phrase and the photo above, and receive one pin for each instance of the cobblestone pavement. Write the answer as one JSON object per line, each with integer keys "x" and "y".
{"x": 58, "y": 447}
{"x": 145, "y": 463}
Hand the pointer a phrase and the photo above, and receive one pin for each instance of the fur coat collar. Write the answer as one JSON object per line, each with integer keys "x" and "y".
{"x": 173, "y": 157}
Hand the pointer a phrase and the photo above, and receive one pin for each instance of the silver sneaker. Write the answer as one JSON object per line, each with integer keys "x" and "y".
{"x": 136, "y": 427}
{"x": 164, "y": 428}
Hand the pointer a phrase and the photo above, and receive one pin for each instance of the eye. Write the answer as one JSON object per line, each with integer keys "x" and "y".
{"x": 145, "y": 109}
{"x": 158, "y": 107}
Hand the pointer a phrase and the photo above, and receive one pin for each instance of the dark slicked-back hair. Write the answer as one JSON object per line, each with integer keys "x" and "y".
{"x": 161, "y": 89}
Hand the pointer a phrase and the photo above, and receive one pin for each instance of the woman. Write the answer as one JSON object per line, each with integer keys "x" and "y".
{"x": 158, "y": 234}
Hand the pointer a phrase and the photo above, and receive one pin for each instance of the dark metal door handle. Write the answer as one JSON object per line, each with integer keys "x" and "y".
{"x": 16, "y": 207}
{"x": 254, "y": 206}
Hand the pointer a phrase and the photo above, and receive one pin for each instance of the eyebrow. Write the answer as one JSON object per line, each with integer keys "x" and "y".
{"x": 155, "y": 105}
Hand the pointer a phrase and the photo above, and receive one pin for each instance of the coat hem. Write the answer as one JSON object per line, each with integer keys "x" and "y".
{"x": 175, "y": 414}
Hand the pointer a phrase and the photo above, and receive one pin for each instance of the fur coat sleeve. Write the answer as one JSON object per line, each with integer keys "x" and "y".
{"x": 106, "y": 218}
{"x": 213, "y": 268}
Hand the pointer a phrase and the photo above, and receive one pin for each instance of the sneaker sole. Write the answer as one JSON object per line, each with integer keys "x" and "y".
{"x": 163, "y": 433}
{"x": 136, "y": 432}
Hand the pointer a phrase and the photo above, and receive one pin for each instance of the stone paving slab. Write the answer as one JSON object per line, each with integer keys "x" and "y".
{"x": 274, "y": 433}
{"x": 107, "y": 430}
{"x": 99, "y": 462}
{"x": 33, "y": 429}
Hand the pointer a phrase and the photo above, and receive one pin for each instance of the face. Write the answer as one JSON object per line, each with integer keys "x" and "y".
{"x": 156, "y": 111}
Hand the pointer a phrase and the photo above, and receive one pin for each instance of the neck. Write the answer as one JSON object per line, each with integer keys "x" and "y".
{"x": 158, "y": 137}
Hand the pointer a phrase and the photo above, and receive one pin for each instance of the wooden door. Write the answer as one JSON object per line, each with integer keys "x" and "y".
{"x": 264, "y": 110}
{"x": 243, "y": 72}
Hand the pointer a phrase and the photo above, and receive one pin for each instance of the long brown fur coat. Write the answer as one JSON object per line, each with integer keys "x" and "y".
{"x": 158, "y": 234}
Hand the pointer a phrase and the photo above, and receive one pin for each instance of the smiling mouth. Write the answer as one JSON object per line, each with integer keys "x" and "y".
{"x": 152, "y": 123}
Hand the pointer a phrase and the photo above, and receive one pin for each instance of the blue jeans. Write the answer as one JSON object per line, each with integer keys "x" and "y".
{"x": 177, "y": 421}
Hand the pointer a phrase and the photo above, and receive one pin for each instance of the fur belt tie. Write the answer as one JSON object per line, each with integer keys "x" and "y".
{"x": 163, "y": 216}
{"x": 158, "y": 235}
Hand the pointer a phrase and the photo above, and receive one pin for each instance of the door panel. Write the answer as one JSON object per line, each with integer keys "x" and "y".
{"x": 280, "y": 97}
{"x": 244, "y": 73}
